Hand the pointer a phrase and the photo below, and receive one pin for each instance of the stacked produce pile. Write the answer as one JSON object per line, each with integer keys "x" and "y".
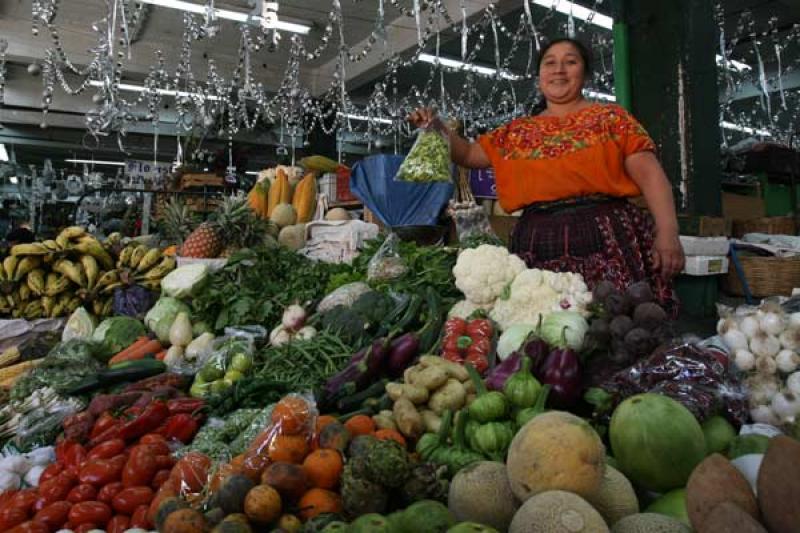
{"x": 53, "y": 278}
{"x": 418, "y": 389}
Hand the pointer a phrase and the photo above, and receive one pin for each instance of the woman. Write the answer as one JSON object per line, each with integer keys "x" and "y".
{"x": 572, "y": 168}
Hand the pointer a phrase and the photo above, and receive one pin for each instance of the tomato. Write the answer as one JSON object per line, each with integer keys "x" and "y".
{"x": 107, "y": 493}
{"x": 140, "y": 519}
{"x": 56, "y": 489}
{"x": 30, "y": 527}
{"x": 54, "y": 515}
{"x": 40, "y": 504}
{"x": 140, "y": 469}
{"x": 74, "y": 458}
{"x": 24, "y": 500}
{"x": 107, "y": 449}
{"x": 164, "y": 462}
{"x": 12, "y": 516}
{"x": 127, "y": 500}
{"x": 103, "y": 423}
{"x": 118, "y": 524}
{"x": 90, "y": 512}
{"x": 102, "y": 471}
{"x": 85, "y": 528}
{"x": 192, "y": 471}
{"x": 6, "y": 497}
{"x": 153, "y": 438}
{"x": 153, "y": 448}
{"x": 82, "y": 493}
{"x": 51, "y": 471}
{"x": 159, "y": 479}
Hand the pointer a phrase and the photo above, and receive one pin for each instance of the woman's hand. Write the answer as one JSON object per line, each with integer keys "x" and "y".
{"x": 668, "y": 258}
{"x": 422, "y": 117}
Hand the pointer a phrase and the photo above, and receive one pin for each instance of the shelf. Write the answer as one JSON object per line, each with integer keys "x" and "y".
{"x": 351, "y": 203}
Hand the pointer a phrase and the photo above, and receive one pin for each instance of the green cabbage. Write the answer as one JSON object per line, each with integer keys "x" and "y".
{"x": 565, "y": 329}
{"x": 160, "y": 318}
{"x": 80, "y": 325}
{"x": 512, "y": 339}
{"x": 115, "y": 334}
{"x": 185, "y": 281}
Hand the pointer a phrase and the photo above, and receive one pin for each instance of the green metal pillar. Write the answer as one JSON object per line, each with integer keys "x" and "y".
{"x": 622, "y": 60}
{"x": 673, "y": 81}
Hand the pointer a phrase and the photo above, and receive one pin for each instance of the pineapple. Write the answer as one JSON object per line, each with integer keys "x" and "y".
{"x": 204, "y": 241}
{"x": 177, "y": 221}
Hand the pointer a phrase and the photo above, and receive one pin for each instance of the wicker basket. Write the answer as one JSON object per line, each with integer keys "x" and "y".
{"x": 770, "y": 225}
{"x": 766, "y": 276}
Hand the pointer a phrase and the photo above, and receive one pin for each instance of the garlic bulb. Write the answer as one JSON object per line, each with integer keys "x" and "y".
{"x": 735, "y": 340}
{"x": 786, "y": 406}
{"x": 793, "y": 383}
{"x": 762, "y": 389}
{"x": 794, "y": 320}
{"x": 764, "y": 345}
{"x": 744, "y": 360}
{"x": 725, "y": 325}
{"x": 749, "y": 326}
{"x": 790, "y": 338}
{"x": 764, "y": 415}
{"x": 772, "y": 323}
{"x": 787, "y": 361}
{"x": 766, "y": 365}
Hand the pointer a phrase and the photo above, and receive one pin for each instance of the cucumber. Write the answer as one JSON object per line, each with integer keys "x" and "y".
{"x": 128, "y": 371}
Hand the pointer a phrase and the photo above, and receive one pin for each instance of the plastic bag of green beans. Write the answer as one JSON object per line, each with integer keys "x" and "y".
{"x": 428, "y": 160}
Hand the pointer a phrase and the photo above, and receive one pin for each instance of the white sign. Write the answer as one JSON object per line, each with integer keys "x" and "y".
{"x": 139, "y": 171}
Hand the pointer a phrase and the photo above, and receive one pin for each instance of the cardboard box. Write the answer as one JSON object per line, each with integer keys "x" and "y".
{"x": 703, "y": 226}
{"x": 742, "y": 207}
{"x": 717, "y": 246}
{"x": 706, "y": 265}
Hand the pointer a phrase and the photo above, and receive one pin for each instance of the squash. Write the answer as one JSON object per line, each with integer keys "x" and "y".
{"x": 262, "y": 504}
{"x": 283, "y": 215}
{"x": 258, "y": 199}
{"x": 280, "y": 192}
{"x": 288, "y": 479}
{"x": 185, "y": 521}
{"x": 337, "y": 213}
{"x": 293, "y": 237}
{"x": 233, "y": 492}
{"x": 304, "y": 199}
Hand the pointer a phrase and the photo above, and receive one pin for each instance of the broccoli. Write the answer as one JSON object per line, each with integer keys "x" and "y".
{"x": 372, "y": 306}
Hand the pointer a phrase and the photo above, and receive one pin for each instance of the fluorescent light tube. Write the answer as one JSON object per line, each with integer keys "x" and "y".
{"x": 744, "y": 129}
{"x": 13, "y": 180}
{"x": 379, "y": 120}
{"x": 460, "y": 65}
{"x": 92, "y": 162}
{"x": 732, "y": 64}
{"x": 252, "y": 173}
{"x": 577, "y": 11}
{"x": 237, "y": 16}
{"x": 3, "y": 152}
{"x": 600, "y": 96}
{"x": 166, "y": 92}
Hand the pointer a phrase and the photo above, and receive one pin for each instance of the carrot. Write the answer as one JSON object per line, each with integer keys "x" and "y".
{"x": 138, "y": 343}
{"x": 149, "y": 347}
{"x": 160, "y": 356}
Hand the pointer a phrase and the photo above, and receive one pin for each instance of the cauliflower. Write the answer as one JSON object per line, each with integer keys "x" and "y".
{"x": 535, "y": 293}
{"x": 465, "y": 308}
{"x": 483, "y": 273}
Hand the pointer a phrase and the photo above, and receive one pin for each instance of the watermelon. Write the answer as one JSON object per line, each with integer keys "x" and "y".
{"x": 656, "y": 441}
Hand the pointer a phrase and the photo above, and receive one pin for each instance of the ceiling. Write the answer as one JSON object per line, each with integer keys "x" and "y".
{"x": 162, "y": 30}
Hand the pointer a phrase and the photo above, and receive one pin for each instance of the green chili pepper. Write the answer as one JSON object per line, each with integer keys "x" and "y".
{"x": 487, "y": 406}
{"x": 493, "y": 440}
{"x": 525, "y": 415}
{"x": 522, "y": 388}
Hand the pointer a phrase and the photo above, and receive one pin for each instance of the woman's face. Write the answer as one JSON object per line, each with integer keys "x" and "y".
{"x": 561, "y": 74}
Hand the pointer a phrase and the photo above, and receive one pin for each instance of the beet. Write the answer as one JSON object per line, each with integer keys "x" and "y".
{"x": 639, "y": 342}
{"x": 602, "y": 290}
{"x": 649, "y": 315}
{"x": 620, "y": 326}
{"x": 600, "y": 331}
{"x": 617, "y": 304}
{"x": 639, "y": 293}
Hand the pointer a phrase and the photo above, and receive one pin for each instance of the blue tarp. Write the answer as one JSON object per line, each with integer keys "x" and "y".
{"x": 397, "y": 203}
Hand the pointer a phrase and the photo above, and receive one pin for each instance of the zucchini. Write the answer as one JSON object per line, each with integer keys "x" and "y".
{"x": 354, "y": 401}
{"x": 128, "y": 371}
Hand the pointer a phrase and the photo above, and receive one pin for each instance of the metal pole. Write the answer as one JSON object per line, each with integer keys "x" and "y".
{"x": 622, "y": 62}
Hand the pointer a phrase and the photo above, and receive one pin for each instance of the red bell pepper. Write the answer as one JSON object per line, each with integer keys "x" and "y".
{"x": 468, "y": 342}
{"x": 182, "y": 427}
{"x": 185, "y": 405}
{"x": 151, "y": 417}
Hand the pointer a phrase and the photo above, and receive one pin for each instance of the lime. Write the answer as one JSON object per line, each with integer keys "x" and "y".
{"x": 220, "y": 385}
{"x": 199, "y": 390}
{"x": 241, "y": 363}
{"x": 211, "y": 373}
{"x": 233, "y": 375}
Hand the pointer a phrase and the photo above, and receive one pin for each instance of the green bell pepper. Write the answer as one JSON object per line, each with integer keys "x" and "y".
{"x": 487, "y": 406}
{"x": 522, "y": 388}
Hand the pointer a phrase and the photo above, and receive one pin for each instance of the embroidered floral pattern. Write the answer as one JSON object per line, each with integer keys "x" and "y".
{"x": 548, "y": 137}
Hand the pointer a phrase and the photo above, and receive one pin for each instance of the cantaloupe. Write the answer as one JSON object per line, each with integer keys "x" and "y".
{"x": 615, "y": 499}
{"x": 649, "y": 523}
{"x": 283, "y": 215}
{"x": 555, "y": 451}
{"x": 337, "y": 213}
{"x": 557, "y": 511}
{"x": 481, "y": 493}
{"x": 293, "y": 237}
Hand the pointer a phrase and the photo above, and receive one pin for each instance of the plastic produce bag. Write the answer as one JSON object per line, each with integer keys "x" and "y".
{"x": 428, "y": 160}
{"x": 229, "y": 359}
{"x": 40, "y": 427}
{"x": 387, "y": 264}
{"x": 395, "y": 202}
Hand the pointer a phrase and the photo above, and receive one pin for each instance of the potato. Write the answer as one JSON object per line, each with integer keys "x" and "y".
{"x": 728, "y": 517}
{"x": 469, "y": 387}
{"x": 415, "y": 393}
{"x": 451, "y": 396}
{"x": 432, "y": 421}
{"x": 384, "y": 420}
{"x": 432, "y": 378}
{"x": 712, "y": 482}
{"x": 407, "y": 418}
{"x": 454, "y": 370}
{"x": 779, "y": 484}
{"x": 410, "y": 372}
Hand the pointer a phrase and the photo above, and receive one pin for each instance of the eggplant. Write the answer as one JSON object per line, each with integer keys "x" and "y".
{"x": 537, "y": 350}
{"x": 497, "y": 376}
{"x": 562, "y": 371}
{"x": 402, "y": 352}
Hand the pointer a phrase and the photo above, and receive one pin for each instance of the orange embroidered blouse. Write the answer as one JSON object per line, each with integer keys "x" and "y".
{"x": 544, "y": 158}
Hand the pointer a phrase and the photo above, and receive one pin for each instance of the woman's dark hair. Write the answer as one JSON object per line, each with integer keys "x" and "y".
{"x": 583, "y": 50}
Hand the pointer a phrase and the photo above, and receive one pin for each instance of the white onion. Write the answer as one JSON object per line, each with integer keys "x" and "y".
{"x": 749, "y": 326}
{"x": 763, "y": 345}
{"x": 785, "y": 406}
{"x": 294, "y": 317}
{"x": 762, "y": 389}
{"x": 794, "y": 319}
{"x": 735, "y": 340}
{"x": 766, "y": 366}
{"x": 772, "y": 323}
{"x": 793, "y": 383}
{"x": 790, "y": 338}
{"x": 725, "y": 325}
{"x": 787, "y": 361}
{"x": 764, "y": 415}
{"x": 744, "y": 360}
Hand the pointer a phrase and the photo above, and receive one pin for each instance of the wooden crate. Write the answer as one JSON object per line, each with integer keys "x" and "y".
{"x": 201, "y": 180}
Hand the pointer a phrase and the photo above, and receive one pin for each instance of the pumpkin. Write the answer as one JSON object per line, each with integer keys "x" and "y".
{"x": 323, "y": 468}
{"x": 337, "y": 213}
{"x": 288, "y": 479}
{"x": 319, "y": 501}
{"x": 288, "y": 449}
{"x": 292, "y": 415}
{"x": 185, "y": 521}
{"x": 262, "y": 504}
{"x": 232, "y": 493}
{"x": 304, "y": 199}
{"x": 283, "y": 215}
{"x": 334, "y": 436}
